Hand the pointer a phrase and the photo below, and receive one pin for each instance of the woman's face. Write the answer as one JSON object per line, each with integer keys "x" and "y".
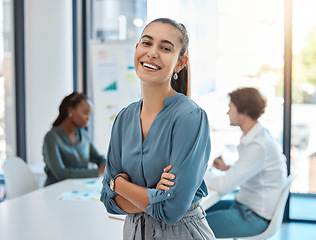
{"x": 157, "y": 53}
{"x": 81, "y": 114}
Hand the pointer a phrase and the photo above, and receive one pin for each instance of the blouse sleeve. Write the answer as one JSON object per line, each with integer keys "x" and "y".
{"x": 54, "y": 161}
{"x": 112, "y": 168}
{"x": 189, "y": 157}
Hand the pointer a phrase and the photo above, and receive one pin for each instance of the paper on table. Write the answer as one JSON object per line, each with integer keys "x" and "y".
{"x": 80, "y": 195}
{"x": 92, "y": 184}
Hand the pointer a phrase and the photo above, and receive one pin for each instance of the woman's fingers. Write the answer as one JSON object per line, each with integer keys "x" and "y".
{"x": 167, "y": 169}
{"x": 168, "y": 176}
{"x": 166, "y": 173}
{"x": 165, "y": 183}
{"x": 163, "y": 187}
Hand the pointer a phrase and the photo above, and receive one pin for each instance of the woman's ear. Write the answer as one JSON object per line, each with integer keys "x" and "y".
{"x": 70, "y": 111}
{"x": 181, "y": 63}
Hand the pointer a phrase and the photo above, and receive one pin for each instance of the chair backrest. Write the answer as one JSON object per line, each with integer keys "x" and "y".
{"x": 278, "y": 214}
{"x": 19, "y": 179}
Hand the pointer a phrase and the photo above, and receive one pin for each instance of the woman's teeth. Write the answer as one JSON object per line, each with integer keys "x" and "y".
{"x": 150, "y": 66}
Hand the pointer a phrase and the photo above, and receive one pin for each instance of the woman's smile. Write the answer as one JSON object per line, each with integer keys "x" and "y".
{"x": 150, "y": 66}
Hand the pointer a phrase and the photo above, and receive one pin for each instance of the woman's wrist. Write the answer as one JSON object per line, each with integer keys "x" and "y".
{"x": 125, "y": 176}
{"x": 112, "y": 182}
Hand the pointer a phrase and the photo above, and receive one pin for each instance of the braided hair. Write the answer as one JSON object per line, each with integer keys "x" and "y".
{"x": 72, "y": 101}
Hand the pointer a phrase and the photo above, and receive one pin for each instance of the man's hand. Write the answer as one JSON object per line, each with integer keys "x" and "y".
{"x": 218, "y": 163}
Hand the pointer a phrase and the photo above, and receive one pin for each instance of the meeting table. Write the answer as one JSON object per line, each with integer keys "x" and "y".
{"x": 68, "y": 210}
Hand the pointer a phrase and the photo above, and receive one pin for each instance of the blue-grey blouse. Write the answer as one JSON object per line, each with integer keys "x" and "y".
{"x": 65, "y": 159}
{"x": 179, "y": 136}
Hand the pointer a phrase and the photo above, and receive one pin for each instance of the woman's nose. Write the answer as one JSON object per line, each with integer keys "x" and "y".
{"x": 152, "y": 53}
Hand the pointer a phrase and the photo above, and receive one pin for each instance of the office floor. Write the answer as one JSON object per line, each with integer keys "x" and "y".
{"x": 295, "y": 231}
{"x": 303, "y": 207}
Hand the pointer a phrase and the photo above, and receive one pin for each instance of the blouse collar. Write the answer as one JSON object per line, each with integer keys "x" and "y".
{"x": 172, "y": 99}
{"x": 168, "y": 101}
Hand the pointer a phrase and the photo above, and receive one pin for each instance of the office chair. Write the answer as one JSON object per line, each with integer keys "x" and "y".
{"x": 277, "y": 216}
{"x": 18, "y": 178}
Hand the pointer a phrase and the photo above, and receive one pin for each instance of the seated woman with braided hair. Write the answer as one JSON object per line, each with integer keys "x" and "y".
{"x": 67, "y": 148}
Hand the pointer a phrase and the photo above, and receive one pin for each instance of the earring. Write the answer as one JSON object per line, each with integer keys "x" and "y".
{"x": 70, "y": 115}
{"x": 175, "y": 76}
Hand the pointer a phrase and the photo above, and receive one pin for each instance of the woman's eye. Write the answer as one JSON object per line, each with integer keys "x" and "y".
{"x": 146, "y": 43}
{"x": 166, "y": 49}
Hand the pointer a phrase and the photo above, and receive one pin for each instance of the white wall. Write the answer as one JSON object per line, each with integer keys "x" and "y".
{"x": 48, "y": 67}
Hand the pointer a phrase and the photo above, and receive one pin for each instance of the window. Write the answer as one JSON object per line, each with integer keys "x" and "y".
{"x": 303, "y": 141}
{"x": 7, "y": 107}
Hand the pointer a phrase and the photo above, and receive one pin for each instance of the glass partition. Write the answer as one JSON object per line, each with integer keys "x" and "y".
{"x": 303, "y": 141}
{"x": 117, "y": 20}
{"x": 115, "y": 29}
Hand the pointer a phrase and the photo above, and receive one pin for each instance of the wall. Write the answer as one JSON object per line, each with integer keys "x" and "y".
{"x": 48, "y": 67}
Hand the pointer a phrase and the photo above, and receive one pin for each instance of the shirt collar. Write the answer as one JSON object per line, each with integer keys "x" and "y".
{"x": 252, "y": 133}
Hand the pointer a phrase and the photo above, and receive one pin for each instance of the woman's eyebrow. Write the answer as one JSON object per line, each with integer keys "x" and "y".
{"x": 166, "y": 41}
{"x": 147, "y": 36}
{"x": 163, "y": 41}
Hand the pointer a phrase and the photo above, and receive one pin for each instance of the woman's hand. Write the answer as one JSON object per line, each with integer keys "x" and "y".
{"x": 164, "y": 182}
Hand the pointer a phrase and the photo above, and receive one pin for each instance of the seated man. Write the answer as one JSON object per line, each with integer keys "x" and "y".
{"x": 260, "y": 172}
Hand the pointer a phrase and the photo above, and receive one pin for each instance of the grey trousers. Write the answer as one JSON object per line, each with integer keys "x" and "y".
{"x": 192, "y": 225}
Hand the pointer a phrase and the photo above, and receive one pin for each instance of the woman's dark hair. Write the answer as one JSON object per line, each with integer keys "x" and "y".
{"x": 249, "y": 101}
{"x": 182, "y": 84}
{"x": 72, "y": 101}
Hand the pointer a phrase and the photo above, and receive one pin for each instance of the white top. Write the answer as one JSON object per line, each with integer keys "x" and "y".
{"x": 260, "y": 172}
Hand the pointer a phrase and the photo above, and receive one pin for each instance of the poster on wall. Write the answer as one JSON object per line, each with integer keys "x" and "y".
{"x": 114, "y": 86}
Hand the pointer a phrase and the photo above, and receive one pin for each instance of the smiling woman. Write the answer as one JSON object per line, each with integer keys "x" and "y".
{"x": 169, "y": 46}
{"x": 156, "y": 177}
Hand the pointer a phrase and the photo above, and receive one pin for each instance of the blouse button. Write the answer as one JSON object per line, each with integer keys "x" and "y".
{"x": 168, "y": 194}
